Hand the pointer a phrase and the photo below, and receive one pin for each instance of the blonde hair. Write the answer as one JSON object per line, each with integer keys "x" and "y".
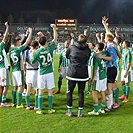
{"x": 109, "y": 36}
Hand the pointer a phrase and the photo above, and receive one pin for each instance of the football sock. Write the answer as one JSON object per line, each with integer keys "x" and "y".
{"x": 69, "y": 110}
{"x": 37, "y": 91}
{"x": 19, "y": 100}
{"x": 103, "y": 104}
{"x": 40, "y": 100}
{"x": 116, "y": 95}
{"x": 124, "y": 90}
{"x": 109, "y": 98}
{"x": 27, "y": 99}
{"x": 95, "y": 107}
{"x": 13, "y": 96}
{"x": 36, "y": 100}
{"x": 50, "y": 101}
{"x": 3, "y": 99}
{"x": 59, "y": 84}
{"x": 127, "y": 91}
{"x": 80, "y": 111}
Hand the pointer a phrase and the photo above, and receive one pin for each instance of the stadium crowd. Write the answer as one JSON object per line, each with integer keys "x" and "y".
{"x": 85, "y": 58}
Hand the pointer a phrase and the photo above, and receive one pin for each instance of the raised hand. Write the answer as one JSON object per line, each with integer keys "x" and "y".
{"x": 53, "y": 26}
{"x": 6, "y": 24}
{"x": 85, "y": 31}
{"x": 97, "y": 35}
{"x": 104, "y": 20}
{"x": 30, "y": 29}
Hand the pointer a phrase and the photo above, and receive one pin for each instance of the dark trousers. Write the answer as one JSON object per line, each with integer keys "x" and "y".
{"x": 81, "y": 88}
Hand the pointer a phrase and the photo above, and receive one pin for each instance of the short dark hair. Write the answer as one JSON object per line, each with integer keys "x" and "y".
{"x": 15, "y": 40}
{"x": 34, "y": 44}
{"x": 93, "y": 44}
{"x": 42, "y": 40}
{"x": 127, "y": 43}
{"x": 100, "y": 46}
{"x": 119, "y": 39}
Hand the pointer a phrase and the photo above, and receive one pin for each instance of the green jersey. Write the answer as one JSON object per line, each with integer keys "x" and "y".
{"x": 63, "y": 60}
{"x": 120, "y": 49}
{"x": 126, "y": 58}
{"x": 15, "y": 58}
{"x": 45, "y": 57}
{"x": 100, "y": 66}
{"x": 90, "y": 61}
{"x": 2, "y": 63}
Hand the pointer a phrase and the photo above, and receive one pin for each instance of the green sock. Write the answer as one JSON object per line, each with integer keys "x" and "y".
{"x": 116, "y": 95}
{"x": 3, "y": 99}
{"x": 13, "y": 96}
{"x": 59, "y": 84}
{"x": 124, "y": 90}
{"x": 40, "y": 100}
{"x": 36, "y": 100}
{"x": 95, "y": 107}
{"x": 0, "y": 98}
{"x": 50, "y": 102}
{"x": 127, "y": 91}
{"x": 19, "y": 100}
{"x": 69, "y": 110}
{"x": 37, "y": 91}
{"x": 89, "y": 87}
{"x": 27, "y": 99}
{"x": 80, "y": 111}
{"x": 103, "y": 104}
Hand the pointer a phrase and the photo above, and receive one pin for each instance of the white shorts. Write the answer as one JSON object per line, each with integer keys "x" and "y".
{"x": 122, "y": 76}
{"x": 100, "y": 85}
{"x": 7, "y": 77}
{"x": 3, "y": 76}
{"x": 63, "y": 72}
{"x": 17, "y": 78}
{"x": 31, "y": 78}
{"x": 90, "y": 71}
{"x": 46, "y": 80}
{"x": 117, "y": 76}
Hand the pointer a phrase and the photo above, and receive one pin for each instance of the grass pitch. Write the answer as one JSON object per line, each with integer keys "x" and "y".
{"x": 14, "y": 120}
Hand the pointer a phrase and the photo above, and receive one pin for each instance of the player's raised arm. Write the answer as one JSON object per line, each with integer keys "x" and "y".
{"x": 105, "y": 24}
{"x": 85, "y": 31}
{"x": 102, "y": 35}
{"x": 25, "y": 37}
{"x": 39, "y": 34}
{"x": 29, "y": 37}
{"x": 6, "y": 32}
{"x": 98, "y": 37}
{"x": 54, "y": 32}
{"x": 116, "y": 32}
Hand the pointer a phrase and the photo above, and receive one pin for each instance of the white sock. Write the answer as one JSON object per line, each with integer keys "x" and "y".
{"x": 109, "y": 99}
{"x": 24, "y": 90}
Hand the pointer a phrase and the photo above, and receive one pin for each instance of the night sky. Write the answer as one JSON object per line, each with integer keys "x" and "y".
{"x": 85, "y": 11}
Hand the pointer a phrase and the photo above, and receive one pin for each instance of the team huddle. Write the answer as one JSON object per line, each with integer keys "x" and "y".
{"x": 80, "y": 61}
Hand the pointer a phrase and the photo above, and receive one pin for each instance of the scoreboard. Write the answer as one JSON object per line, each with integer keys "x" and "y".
{"x": 66, "y": 24}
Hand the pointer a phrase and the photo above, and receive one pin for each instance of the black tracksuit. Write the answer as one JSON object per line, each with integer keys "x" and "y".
{"x": 77, "y": 72}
